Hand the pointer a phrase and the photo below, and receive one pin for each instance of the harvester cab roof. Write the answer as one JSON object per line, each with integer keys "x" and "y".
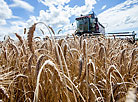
{"x": 87, "y": 16}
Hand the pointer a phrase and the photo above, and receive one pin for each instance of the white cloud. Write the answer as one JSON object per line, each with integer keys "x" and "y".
{"x": 22, "y": 4}
{"x": 123, "y": 16}
{"x": 10, "y": 31}
{"x": 16, "y": 17}
{"x": 76, "y": 10}
{"x": 18, "y": 27}
{"x": 85, "y": 9}
{"x": 54, "y": 2}
{"x": 5, "y": 12}
{"x": 120, "y": 17}
{"x": 58, "y": 15}
{"x": 103, "y": 7}
{"x": 55, "y": 16}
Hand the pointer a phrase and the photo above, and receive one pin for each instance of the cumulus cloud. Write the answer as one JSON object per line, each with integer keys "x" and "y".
{"x": 5, "y": 12}
{"x": 4, "y": 30}
{"x": 121, "y": 17}
{"x": 22, "y": 4}
{"x": 58, "y": 15}
{"x": 54, "y": 2}
{"x": 85, "y": 9}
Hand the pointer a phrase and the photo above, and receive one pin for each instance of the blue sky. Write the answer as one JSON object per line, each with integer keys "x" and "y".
{"x": 115, "y": 15}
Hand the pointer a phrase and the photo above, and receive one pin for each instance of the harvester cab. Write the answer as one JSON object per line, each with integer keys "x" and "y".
{"x": 89, "y": 24}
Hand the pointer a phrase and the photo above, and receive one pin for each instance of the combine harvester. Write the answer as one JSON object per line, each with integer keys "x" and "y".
{"x": 89, "y": 25}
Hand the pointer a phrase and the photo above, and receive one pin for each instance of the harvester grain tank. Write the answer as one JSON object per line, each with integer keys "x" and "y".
{"x": 89, "y": 24}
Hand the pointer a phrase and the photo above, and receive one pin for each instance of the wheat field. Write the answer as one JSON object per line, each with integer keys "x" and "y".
{"x": 78, "y": 69}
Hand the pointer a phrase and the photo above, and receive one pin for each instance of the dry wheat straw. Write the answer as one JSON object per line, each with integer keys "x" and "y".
{"x": 47, "y": 62}
{"x": 59, "y": 58}
{"x": 75, "y": 87}
{"x": 92, "y": 84}
{"x": 19, "y": 37}
{"x": 87, "y": 72}
{"x": 111, "y": 70}
{"x": 24, "y": 30}
{"x": 68, "y": 72}
{"x": 80, "y": 66}
{"x": 42, "y": 31}
{"x": 131, "y": 95}
{"x": 30, "y": 37}
{"x": 15, "y": 48}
